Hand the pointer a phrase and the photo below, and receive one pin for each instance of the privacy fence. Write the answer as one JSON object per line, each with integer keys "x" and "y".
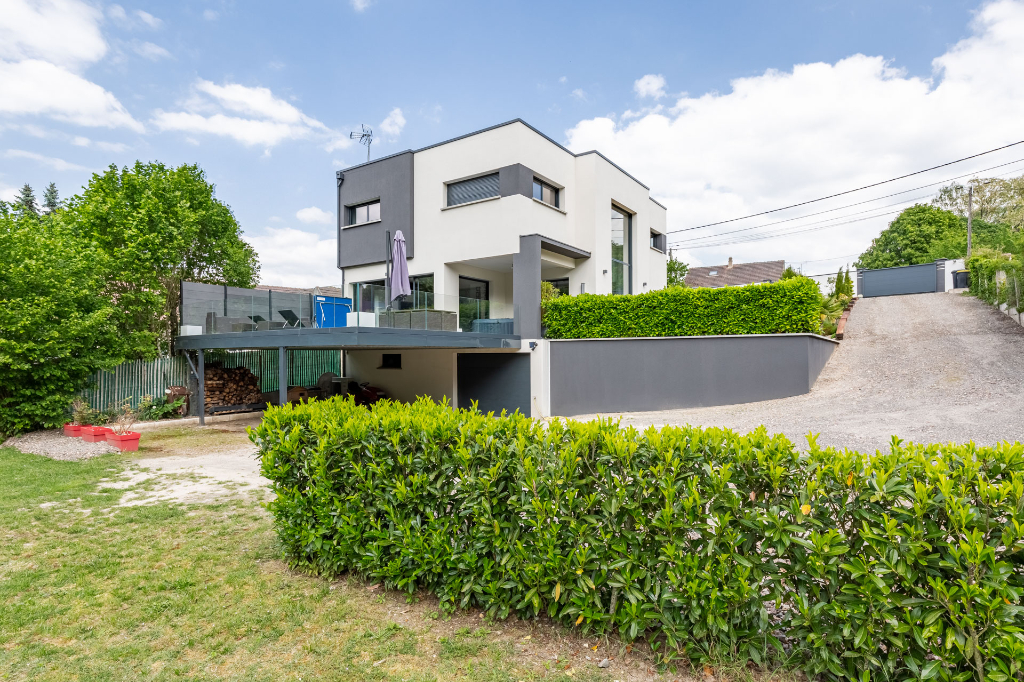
{"x": 134, "y": 380}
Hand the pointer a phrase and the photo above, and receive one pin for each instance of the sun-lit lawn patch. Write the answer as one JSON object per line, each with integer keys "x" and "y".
{"x": 92, "y": 591}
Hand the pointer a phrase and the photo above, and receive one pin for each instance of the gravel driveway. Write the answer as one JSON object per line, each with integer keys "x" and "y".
{"x": 928, "y": 368}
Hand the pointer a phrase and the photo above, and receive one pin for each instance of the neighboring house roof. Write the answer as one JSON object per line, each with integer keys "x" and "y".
{"x": 323, "y": 291}
{"x": 735, "y": 274}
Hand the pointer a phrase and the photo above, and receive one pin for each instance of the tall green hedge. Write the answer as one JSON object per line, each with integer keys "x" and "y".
{"x": 792, "y": 305}
{"x": 907, "y": 564}
{"x": 986, "y": 284}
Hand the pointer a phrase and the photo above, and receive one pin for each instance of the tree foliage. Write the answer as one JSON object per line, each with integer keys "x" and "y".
{"x": 676, "y": 271}
{"x": 910, "y": 237}
{"x": 996, "y": 200}
{"x": 56, "y": 326}
{"x": 157, "y": 226}
{"x": 51, "y": 199}
{"x": 26, "y": 200}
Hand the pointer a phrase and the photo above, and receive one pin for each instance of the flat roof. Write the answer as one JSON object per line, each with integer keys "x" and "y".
{"x": 347, "y": 338}
{"x": 501, "y": 125}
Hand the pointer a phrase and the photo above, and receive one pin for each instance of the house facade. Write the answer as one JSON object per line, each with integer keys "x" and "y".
{"x": 487, "y": 216}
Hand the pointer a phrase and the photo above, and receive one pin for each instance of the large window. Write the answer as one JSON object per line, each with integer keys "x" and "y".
{"x": 363, "y": 213}
{"x": 658, "y": 241}
{"x": 542, "y": 191}
{"x": 622, "y": 241}
{"x": 474, "y": 302}
{"x": 474, "y": 189}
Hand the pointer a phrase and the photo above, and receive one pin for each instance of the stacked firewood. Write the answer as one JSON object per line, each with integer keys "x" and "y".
{"x": 231, "y": 386}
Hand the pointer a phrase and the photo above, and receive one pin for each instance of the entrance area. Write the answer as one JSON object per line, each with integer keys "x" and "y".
{"x": 497, "y": 381}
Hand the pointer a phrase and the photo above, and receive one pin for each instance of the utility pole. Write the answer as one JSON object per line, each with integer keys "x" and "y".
{"x": 970, "y": 216}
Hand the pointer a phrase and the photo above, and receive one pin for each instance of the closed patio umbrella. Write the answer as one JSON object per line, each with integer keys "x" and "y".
{"x": 399, "y": 268}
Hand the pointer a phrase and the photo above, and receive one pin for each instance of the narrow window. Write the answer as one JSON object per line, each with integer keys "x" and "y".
{"x": 658, "y": 241}
{"x": 474, "y": 302}
{"x": 474, "y": 189}
{"x": 363, "y": 213}
{"x": 542, "y": 191}
{"x": 622, "y": 239}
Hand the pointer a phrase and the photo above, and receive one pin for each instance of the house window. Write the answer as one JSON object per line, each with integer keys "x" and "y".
{"x": 542, "y": 191}
{"x": 474, "y": 189}
{"x": 562, "y": 285}
{"x": 363, "y": 213}
{"x": 474, "y": 302}
{"x": 390, "y": 361}
{"x": 622, "y": 248}
{"x": 368, "y": 297}
{"x": 658, "y": 241}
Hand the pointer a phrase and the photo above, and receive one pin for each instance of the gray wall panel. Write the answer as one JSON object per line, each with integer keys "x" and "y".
{"x": 620, "y": 375}
{"x": 497, "y": 381}
{"x": 390, "y": 179}
{"x": 909, "y": 279}
{"x": 526, "y": 287}
{"x": 516, "y": 179}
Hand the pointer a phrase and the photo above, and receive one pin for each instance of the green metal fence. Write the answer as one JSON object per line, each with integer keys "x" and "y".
{"x": 133, "y": 380}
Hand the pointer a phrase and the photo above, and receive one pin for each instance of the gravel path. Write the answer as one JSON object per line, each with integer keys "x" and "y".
{"x": 928, "y": 368}
{"x": 55, "y": 445}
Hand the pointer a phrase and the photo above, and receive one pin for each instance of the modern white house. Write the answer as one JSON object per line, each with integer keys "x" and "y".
{"x": 488, "y": 215}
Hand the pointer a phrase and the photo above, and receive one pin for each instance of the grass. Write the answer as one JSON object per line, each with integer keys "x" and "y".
{"x": 90, "y": 591}
{"x": 173, "y": 439}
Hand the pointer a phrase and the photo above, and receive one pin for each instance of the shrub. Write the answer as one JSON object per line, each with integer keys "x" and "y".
{"x": 987, "y": 285}
{"x": 898, "y": 565}
{"x": 789, "y": 306}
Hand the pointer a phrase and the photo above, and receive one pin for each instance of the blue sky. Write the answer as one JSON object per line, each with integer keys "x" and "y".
{"x": 704, "y": 102}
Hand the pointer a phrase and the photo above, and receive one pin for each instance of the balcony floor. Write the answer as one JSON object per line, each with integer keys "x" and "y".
{"x": 344, "y": 338}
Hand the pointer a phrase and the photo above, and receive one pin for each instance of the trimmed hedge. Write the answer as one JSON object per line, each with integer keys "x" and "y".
{"x": 707, "y": 544}
{"x": 792, "y": 306}
{"x": 985, "y": 284}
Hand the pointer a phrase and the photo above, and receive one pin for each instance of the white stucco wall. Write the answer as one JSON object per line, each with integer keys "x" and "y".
{"x": 429, "y": 372}
{"x": 488, "y": 231}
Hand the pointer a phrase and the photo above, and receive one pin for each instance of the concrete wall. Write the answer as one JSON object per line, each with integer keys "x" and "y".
{"x": 391, "y": 180}
{"x": 424, "y": 371}
{"x": 635, "y": 375}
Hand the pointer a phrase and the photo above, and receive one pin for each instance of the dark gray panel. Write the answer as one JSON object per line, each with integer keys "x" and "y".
{"x": 390, "y": 180}
{"x": 634, "y": 375}
{"x": 940, "y": 275}
{"x": 497, "y": 381}
{"x": 516, "y": 179}
{"x": 526, "y": 287}
{"x": 909, "y": 279}
{"x": 474, "y": 189}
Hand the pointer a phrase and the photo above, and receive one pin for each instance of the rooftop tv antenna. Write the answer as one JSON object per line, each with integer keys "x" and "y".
{"x": 364, "y": 137}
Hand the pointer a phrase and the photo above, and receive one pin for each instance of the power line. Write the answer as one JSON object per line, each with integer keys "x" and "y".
{"x": 861, "y": 203}
{"x": 858, "y": 189}
{"x": 800, "y": 229}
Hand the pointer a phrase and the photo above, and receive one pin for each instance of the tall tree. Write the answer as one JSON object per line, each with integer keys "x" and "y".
{"x": 676, "y": 271}
{"x": 26, "y": 200}
{"x": 910, "y": 237}
{"x": 56, "y": 326}
{"x": 51, "y": 200}
{"x": 157, "y": 226}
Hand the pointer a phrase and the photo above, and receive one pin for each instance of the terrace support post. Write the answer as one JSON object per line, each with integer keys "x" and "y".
{"x": 202, "y": 388}
{"x": 282, "y": 373}
{"x": 526, "y": 288}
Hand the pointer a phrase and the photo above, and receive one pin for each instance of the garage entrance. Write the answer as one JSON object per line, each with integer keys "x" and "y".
{"x": 497, "y": 381}
{"x": 910, "y": 279}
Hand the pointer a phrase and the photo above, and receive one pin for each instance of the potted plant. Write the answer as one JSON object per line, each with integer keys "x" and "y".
{"x": 79, "y": 415}
{"x": 122, "y": 435}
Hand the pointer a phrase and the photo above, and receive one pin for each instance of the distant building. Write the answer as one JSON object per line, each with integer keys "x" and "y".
{"x": 735, "y": 274}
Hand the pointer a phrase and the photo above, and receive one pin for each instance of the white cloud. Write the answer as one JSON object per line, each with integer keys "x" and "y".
{"x": 314, "y": 215}
{"x": 579, "y": 94}
{"x": 34, "y": 87}
{"x": 63, "y": 32}
{"x": 8, "y": 193}
{"x": 650, "y": 85}
{"x": 150, "y": 51}
{"x": 789, "y": 136}
{"x": 56, "y": 164}
{"x": 44, "y": 46}
{"x": 394, "y": 123}
{"x": 290, "y": 257}
{"x": 148, "y": 19}
{"x": 360, "y": 5}
{"x": 562, "y": 80}
{"x": 210, "y": 15}
{"x": 250, "y": 115}
{"x": 112, "y": 147}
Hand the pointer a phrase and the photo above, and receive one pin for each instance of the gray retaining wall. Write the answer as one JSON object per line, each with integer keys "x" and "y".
{"x": 637, "y": 375}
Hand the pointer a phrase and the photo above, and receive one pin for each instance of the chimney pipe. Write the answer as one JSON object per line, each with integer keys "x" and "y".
{"x": 730, "y": 262}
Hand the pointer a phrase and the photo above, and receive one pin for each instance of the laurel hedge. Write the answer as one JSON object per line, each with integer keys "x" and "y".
{"x": 907, "y": 564}
{"x": 792, "y": 305}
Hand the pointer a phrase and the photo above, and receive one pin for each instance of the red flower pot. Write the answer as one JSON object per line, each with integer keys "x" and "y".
{"x": 72, "y": 430}
{"x": 95, "y": 434}
{"x": 128, "y": 442}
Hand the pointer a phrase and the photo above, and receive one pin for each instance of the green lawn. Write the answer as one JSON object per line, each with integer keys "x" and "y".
{"x": 93, "y": 591}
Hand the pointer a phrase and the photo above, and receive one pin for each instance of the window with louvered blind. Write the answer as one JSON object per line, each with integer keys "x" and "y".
{"x": 474, "y": 189}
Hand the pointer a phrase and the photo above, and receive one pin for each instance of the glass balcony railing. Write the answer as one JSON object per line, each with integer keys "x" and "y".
{"x": 211, "y": 309}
